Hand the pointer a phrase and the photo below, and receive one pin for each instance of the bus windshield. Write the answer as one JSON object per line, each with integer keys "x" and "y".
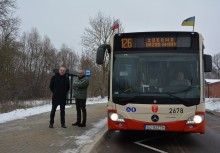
{"x": 162, "y": 77}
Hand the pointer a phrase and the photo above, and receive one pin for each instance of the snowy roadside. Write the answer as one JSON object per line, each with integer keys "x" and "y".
{"x": 23, "y": 113}
{"x": 212, "y": 104}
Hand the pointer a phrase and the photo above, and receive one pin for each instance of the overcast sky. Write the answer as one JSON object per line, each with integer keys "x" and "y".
{"x": 64, "y": 21}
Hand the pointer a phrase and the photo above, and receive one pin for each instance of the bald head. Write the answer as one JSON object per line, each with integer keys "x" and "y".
{"x": 62, "y": 71}
{"x": 80, "y": 73}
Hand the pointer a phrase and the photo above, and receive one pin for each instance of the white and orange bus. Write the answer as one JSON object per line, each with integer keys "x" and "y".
{"x": 156, "y": 81}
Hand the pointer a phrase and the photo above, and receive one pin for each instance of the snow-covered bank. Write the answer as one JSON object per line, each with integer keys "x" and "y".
{"x": 22, "y": 113}
{"x": 213, "y": 104}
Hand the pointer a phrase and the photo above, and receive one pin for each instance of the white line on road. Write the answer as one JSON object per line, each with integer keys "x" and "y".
{"x": 152, "y": 148}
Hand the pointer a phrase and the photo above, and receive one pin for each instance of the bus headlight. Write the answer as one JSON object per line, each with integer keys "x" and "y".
{"x": 196, "y": 119}
{"x": 116, "y": 117}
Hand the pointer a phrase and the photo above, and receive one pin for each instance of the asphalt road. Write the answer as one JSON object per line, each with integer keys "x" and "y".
{"x": 163, "y": 142}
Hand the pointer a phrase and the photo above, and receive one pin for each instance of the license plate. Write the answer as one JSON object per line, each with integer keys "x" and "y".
{"x": 155, "y": 127}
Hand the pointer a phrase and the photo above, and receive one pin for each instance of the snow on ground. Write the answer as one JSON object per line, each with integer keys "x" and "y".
{"x": 86, "y": 137}
{"x": 22, "y": 113}
{"x": 213, "y": 104}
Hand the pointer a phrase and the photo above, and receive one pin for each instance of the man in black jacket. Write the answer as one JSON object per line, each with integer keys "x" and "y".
{"x": 59, "y": 86}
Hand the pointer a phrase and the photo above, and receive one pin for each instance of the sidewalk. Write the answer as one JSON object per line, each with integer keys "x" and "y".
{"x": 33, "y": 134}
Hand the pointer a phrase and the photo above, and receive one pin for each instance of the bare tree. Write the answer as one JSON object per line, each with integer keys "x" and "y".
{"x": 7, "y": 8}
{"x": 216, "y": 65}
{"x": 8, "y": 33}
{"x": 37, "y": 58}
{"x": 8, "y": 23}
{"x": 67, "y": 57}
{"x": 98, "y": 32}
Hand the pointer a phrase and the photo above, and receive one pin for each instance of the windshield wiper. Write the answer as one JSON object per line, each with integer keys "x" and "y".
{"x": 185, "y": 102}
{"x": 187, "y": 89}
{"x": 171, "y": 94}
{"x": 125, "y": 101}
{"x": 180, "y": 99}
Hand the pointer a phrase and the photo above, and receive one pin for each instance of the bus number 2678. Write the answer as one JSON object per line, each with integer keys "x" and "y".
{"x": 175, "y": 110}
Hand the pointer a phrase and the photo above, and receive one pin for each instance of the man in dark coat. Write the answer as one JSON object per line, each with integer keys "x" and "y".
{"x": 59, "y": 86}
{"x": 80, "y": 86}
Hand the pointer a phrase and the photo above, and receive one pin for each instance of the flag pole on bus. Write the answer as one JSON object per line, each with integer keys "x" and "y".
{"x": 189, "y": 22}
{"x": 115, "y": 25}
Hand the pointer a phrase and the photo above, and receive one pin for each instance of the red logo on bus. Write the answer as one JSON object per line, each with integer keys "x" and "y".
{"x": 154, "y": 108}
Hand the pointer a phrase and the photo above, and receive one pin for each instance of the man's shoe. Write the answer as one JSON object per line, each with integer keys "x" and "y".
{"x": 82, "y": 125}
{"x": 75, "y": 124}
{"x": 63, "y": 126}
{"x": 51, "y": 126}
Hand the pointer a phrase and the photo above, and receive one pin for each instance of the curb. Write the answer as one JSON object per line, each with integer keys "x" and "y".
{"x": 91, "y": 148}
{"x": 213, "y": 112}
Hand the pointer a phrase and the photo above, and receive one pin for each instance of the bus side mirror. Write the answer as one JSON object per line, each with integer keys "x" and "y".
{"x": 207, "y": 63}
{"x": 101, "y": 53}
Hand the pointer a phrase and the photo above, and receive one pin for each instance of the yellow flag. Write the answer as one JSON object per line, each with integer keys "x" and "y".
{"x": 189, "y": 22}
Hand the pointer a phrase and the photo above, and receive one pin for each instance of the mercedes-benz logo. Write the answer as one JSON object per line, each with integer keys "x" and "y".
{"x": 155, "y": 118}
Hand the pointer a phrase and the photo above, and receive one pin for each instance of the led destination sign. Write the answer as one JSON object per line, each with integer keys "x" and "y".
{"x": 149, "y": 42}
{"x": 155, "y": 42}
{"x": 161, "y": 42}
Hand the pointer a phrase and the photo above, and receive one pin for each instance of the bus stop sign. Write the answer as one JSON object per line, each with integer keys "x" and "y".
{"x": 88, "y": 73}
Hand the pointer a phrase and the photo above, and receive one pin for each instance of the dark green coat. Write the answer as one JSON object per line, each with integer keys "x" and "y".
{"x": 80, "y": 86}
